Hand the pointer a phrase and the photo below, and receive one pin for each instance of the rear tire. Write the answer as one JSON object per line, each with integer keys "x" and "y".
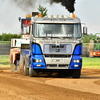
{"x": 76, "y": 73}
{"x": 21, "y": 65}
{"x": 15, "y": 66}
{"x": 12, "y": 67}
{"x": 32, "y": 72}
{"x": 25, "y": 69}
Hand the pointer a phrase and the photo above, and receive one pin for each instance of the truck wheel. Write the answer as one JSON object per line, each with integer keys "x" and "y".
{"x": 76, "y": 73}
{"x": 21, "y": 65}
{"x": 32, "y": 72}
{"x": 12, "y": 67}
{"x": 25, "y": 69}
{"x": 15, "y": 67}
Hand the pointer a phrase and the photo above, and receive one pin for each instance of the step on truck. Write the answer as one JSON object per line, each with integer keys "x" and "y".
{"x": 48, "y": 44}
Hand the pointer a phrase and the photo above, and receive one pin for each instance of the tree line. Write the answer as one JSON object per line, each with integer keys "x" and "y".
{"x": 87, "y": 38}
{"x": 8, "y": 37}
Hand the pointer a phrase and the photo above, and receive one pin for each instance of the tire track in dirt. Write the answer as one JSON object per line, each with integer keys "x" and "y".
{"x": 19, "y": 87}
{"x": 89, "y": 82}
{"x": 79, "y": 85}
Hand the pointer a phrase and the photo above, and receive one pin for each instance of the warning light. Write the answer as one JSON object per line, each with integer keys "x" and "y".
{"x": 26, "y": 22}
{"x": 72, "y": 15}
{"x": 40, "y": 15}
{"x": 28, "y": 16}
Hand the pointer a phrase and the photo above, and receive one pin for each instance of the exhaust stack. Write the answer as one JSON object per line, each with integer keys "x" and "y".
{"x": 34, "y": 14}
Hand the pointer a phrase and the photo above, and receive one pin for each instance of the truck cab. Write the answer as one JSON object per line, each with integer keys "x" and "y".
{"x": 16, "y": 51}
{"x": 56, "y": 45}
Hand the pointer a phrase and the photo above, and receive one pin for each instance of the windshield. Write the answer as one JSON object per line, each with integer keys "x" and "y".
{"x": 57, "y": 30}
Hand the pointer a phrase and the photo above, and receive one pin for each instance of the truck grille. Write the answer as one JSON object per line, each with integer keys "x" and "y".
{"x": 58, "y": 56}
{"x": 57, "y": 65}
{"x": 57, "y": 49}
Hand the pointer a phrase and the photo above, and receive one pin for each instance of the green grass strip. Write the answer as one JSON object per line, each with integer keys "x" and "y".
{"x": 88, "y": 63}
{"x": 91, "y": 63}
{"x": 4, "y": 61}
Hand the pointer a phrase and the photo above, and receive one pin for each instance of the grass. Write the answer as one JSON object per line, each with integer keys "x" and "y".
{"x": 5, "y": 42}
{"x": 88, "y": 63}
{"x": 4, "y": 61}
{"x": 91, "y": 63}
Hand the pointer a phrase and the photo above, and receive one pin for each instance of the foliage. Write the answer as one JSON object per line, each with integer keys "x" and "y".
{"x": 87, "y": 38}
{"x": 88, "y": 63}
{"x": 8, "y": 37}
{"x": 42, "y": 10}
{"x": 4, "y": 61}
{"x": 91, "y": 63}
{"x": 5, "y": 42}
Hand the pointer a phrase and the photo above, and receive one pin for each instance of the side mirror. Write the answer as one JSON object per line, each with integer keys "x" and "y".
{"x": 84, "y": 30}
{"x": 19, "y": 19}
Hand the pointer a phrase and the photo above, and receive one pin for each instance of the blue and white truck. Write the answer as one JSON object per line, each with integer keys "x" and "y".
{"x": 54, "y": 45}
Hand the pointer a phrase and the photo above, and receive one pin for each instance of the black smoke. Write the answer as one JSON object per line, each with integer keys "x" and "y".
{"x": 69, "y": 4}
{"x": 26, "y": 4}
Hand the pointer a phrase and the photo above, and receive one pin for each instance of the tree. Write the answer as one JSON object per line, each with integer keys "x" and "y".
{"x": 42, "y": 10}
{"x": 8, "y": 37}
{"x": 87, "y": 38}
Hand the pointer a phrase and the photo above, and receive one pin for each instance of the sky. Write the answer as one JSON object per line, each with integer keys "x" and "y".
{"x": 87, "y": 10}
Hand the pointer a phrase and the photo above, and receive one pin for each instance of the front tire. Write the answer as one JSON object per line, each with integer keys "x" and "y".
{"x": 76, "y": 73}
{"x": 32, "y": 72}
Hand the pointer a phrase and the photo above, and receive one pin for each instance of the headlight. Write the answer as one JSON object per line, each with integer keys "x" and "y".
{"x": 38, "y": 60}
{"x": 38, "y": 65}
{"x": 76, "y": 61}
{"x": 76, "y": 65}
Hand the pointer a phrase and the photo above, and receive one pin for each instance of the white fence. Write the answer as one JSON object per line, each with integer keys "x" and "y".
{"x": 5, "y": 50}
{"x": 90, "y": 47}
{"x": 4, "y": 47}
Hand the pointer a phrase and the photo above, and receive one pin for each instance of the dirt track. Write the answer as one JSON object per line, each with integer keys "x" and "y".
{"x": 19, "y": 87}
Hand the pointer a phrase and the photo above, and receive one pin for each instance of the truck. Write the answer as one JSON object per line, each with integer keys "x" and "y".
{"x": 94, "y": 46}
{"x": 53, "y": 44}
{"x": 15, "y": 51}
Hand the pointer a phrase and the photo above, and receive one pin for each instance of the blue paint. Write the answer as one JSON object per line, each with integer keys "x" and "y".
{"x": 36, "y": 49}
{"x": 37, "y": 54}
{"x": 26, "y": 52}
{"x": 78, "y": 50}
{"x": 76, "y": 56}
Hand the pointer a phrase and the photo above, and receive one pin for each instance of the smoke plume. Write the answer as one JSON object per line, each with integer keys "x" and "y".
{"x": 25, "y": 4}
{"x": 69, "y": 4}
